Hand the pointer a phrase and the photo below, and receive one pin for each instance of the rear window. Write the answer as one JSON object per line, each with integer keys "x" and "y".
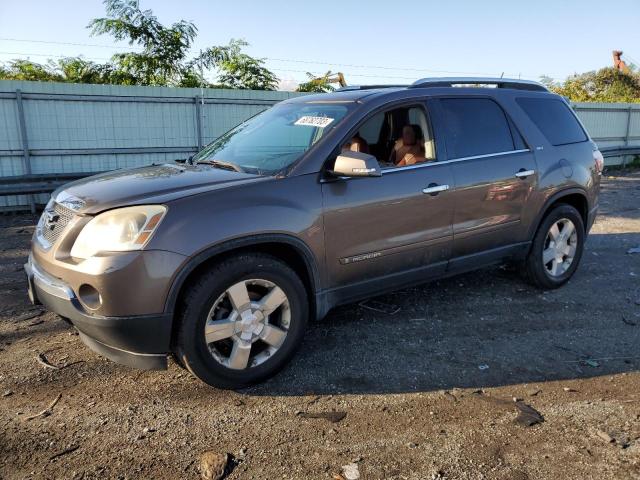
{"x": 475, "y": 126}
{"x": 554, "y": 119}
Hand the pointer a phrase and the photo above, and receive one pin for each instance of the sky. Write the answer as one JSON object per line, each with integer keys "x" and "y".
{"x": 369, "y": 41}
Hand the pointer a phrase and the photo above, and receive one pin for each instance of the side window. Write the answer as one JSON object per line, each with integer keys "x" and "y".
{"x": 397, "y": 137}
{"x": 475, "y": 126}
{"x": 554, "y": 119}
{"x": 370, "y": 130}
{"x": 518, "y": 141}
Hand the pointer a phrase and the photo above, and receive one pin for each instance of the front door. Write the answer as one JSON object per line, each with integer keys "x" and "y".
{"x": 385, "y": 232}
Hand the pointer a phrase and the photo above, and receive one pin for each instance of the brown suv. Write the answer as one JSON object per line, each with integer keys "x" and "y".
{"x": 319, "y": 201}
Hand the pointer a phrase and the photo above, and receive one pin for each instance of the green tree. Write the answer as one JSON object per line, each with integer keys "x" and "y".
{"x": 70, "y": 69}
{"x": 79, "y": 70}
{"x": 548, "y": 82}
{"x": 164, "y": 49}
{"x": 239, "y": 70}
{"x": 317, "y": 84}
{"x": 28, "y": 70}
{"x": 163, "y": 59}
{"x": 604, "y": 85}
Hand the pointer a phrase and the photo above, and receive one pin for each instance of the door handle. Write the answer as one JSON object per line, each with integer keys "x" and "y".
{"x": 525, "y": 173}
{"x": 434, "y": 189}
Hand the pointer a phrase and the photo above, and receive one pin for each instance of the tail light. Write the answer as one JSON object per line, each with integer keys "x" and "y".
{"x": 598, "y": 159}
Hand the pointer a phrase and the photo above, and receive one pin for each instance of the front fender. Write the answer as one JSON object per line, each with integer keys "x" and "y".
{"x": 213, "y": 251}
{"x": 286, "y": 210}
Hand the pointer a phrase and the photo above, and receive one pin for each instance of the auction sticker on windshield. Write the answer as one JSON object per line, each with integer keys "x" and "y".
{"x": 311, "y": 121}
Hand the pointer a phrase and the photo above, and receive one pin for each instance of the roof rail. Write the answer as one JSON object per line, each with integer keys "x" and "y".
{"x": 367, "y": 87}
{"x": 478, "y": 81}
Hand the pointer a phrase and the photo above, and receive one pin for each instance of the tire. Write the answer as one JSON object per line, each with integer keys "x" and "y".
{"x": 556, "y": 272}
{"x": 209, "y": 301}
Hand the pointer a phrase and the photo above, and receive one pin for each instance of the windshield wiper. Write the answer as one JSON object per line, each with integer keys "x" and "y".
{"x": 223, "y": 165}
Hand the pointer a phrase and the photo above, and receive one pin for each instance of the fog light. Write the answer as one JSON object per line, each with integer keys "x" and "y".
{"x": 89, "y": 296}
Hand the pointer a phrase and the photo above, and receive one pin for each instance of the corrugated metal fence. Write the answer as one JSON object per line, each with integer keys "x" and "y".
{"x": 63, "y": 128}
{"x": 611, "y": 124}
{"x": 57, "y": 127}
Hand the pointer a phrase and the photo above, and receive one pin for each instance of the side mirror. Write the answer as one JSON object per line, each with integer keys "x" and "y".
{"x": 356, "y": 164}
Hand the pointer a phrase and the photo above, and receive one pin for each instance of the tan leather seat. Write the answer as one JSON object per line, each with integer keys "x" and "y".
{"x": 356, "y": 144}
{"x": 409, "y": 149}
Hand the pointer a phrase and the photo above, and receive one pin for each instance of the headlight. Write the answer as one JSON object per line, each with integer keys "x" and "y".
{"x": 119, "y": 230}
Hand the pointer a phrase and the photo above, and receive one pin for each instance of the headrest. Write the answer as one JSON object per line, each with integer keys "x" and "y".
{"x": 359, "y": 144}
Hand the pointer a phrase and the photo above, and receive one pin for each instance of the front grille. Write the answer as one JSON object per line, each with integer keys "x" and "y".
{"x": 54, "y": 221}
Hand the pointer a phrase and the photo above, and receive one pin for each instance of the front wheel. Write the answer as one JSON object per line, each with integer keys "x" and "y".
{"x": 242, "y": 321}
{"x": 557, "y": 248}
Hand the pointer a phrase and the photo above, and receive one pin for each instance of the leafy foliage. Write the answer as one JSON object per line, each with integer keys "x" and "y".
{"x": 71, "y": 69}
{"x": 317, "y": 84}
{"x": 239, "y": 70}
{"x": 28, "y": 70}
{"x": 163, "y": 58}
{"x": 604, "y": 85}
{"x": 163, "y": 48}
{"x": 79, "y": 70}
{"x": 548, "y": 82}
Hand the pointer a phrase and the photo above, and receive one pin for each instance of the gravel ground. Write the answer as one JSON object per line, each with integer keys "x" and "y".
{"x": 428, "y": 391}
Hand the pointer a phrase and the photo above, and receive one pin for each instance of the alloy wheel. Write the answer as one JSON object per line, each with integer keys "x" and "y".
{"x": 559, "y": 247}
{"x": 247, "y": 324}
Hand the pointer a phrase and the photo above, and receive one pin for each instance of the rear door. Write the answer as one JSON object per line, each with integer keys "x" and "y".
{"x": 494, "y": 173}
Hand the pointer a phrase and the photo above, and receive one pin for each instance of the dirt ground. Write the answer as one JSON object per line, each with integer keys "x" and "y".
{"x": 428, "y": 391}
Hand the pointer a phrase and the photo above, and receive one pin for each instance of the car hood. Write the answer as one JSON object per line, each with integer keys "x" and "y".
{"x": 151, "y": 184}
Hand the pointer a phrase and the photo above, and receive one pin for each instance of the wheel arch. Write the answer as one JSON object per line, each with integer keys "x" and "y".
{"x": 576, "y": 197}
{"x": 287, "y": 248}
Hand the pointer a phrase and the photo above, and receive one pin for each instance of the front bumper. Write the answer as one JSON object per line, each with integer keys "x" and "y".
{"x": 141, "y": 341}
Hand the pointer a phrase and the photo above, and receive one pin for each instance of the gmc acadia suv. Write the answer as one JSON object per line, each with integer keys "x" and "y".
{"x": 319, "y": 201}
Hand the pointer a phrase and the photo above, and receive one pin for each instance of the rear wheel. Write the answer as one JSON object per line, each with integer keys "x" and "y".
{"x": 557, "y": 248}
{"x": 242, "y": 321}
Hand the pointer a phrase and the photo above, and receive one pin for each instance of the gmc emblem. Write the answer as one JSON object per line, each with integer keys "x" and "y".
{"x": 50, "y": 219}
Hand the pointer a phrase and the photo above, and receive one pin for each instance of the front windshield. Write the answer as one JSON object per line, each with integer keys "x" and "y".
{"x": 274, "y": 139}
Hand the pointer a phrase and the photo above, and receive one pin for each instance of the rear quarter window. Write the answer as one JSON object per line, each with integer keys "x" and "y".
{"x": 554, "y": 119}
